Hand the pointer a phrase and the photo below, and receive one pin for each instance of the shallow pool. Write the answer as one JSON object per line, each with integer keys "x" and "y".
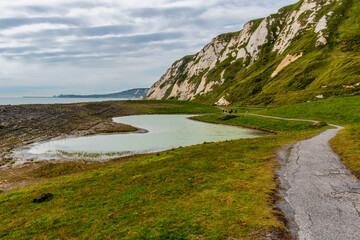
{"x": 164, "y": 132}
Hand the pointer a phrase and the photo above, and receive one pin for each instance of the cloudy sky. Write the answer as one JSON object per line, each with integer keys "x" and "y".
{"x": 49, "y": 47}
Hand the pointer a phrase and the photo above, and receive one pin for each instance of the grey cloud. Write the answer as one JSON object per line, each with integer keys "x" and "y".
{"x": 15, "y": 22}
{"x": 111, "y": 46}
{"x": 105, "y": 30}
{"x": 175, "y": 12}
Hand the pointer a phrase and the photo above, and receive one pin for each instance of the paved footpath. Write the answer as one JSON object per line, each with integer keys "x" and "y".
{"x": 322, "y": 196}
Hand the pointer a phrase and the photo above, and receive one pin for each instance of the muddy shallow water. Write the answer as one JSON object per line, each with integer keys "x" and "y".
{"x": 163, "y": 132}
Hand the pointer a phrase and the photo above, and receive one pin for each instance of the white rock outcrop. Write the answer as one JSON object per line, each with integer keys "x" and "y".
{"x": 299, "y": 20}
{"x": 257, "y": 39}
{"x": 320, "y": 27}
{"x": 222, "y": 102}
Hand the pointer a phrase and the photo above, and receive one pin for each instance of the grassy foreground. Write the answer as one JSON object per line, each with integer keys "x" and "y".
{"x": 209, "y": 191}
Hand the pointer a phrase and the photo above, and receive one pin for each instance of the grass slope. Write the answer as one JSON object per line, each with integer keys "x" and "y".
{"x": 338, "y": 110}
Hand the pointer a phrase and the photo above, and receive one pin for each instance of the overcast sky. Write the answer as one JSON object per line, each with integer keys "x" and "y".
{"x": 49, "y": 47}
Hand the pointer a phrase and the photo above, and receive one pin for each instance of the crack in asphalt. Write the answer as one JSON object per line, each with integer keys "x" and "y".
{"x": 322, "y": 196}
{"x": 297, "y": 155}
{"x": 284, "y": 185}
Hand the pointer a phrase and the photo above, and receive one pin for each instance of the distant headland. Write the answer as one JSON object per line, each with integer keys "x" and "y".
{"x": 136, "y": 93}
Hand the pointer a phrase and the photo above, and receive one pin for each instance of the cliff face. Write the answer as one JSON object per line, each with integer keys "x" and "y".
{"x": 258, "y": 63}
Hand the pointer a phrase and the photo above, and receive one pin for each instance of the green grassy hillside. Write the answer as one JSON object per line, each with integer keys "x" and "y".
{"x": 324, "y": 70}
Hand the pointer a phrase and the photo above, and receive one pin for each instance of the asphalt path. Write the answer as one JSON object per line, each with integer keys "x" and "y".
{"x": 322, "y": 197}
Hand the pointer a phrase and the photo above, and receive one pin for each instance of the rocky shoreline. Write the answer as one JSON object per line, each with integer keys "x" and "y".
{"x": 26, "y": 124}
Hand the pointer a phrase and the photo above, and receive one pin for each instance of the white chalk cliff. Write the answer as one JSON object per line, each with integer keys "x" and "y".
{"x": 188, "y": 78}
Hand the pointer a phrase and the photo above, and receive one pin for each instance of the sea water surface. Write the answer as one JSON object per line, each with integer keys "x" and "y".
{"x": 164, "y": 132}
{"x": 49, "y": 100}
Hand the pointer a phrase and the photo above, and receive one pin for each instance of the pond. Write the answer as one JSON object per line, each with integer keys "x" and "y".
{"x": 163, "y": 132}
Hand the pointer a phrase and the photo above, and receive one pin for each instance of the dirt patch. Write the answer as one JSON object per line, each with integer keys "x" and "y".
{"x": 279, "y": 234}
{"x": 288, "y": 59}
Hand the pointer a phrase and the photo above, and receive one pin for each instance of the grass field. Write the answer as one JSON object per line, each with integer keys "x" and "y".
{"x": 213, "y": 191}
{"x": 337, "y": 110}
{"x": 267, "y": 124}
{"x": 208, "y": 191}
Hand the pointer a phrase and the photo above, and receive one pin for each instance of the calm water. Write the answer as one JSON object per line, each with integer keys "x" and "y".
{"x": 19, "y": 100}
{"x": 165, "y": 132}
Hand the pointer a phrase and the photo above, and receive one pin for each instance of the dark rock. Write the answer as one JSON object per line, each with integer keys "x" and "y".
{"x": 43, "y": 198}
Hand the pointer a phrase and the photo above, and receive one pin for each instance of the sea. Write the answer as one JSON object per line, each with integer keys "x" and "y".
{"x": 50, "y": 100}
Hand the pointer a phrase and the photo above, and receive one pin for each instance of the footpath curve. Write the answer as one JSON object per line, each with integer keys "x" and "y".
{"x": 322, "y": 197}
